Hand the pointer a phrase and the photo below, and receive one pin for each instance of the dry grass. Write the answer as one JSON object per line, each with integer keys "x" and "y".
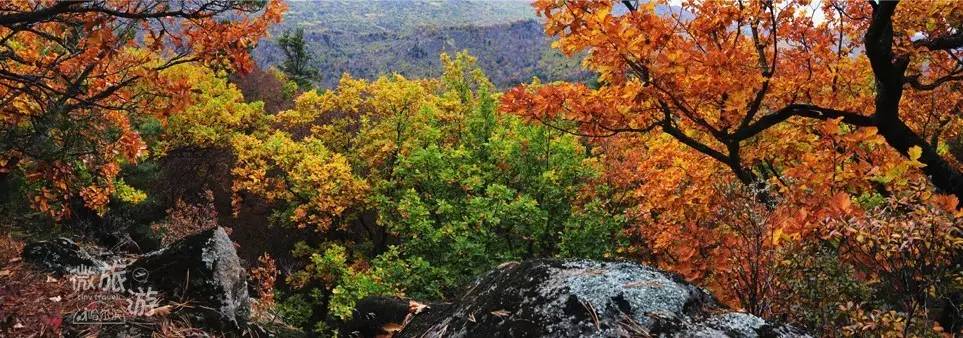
{"x": 32, "y": 303}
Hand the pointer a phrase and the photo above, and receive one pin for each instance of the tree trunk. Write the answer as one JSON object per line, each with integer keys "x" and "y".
{"x": 889, "y": 71}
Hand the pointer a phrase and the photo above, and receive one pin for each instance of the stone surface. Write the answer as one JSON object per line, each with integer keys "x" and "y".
{"x": 376, "y": 316}
{"x": 581, "y": 298}
{"x": 60, "y": 256}
{"x": 202, "y": 270}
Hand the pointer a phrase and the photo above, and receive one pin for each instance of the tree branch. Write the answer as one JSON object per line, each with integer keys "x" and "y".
{"x": 206, "y": 10}
{"x": 952, "y": 41}
{"x": 801, "y": 110}
{"x": 914, "y": 80}
{"x": 669, "y": 128}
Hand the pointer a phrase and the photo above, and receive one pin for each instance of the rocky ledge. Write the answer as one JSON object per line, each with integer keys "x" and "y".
{"x": 198, "y": 279}
{"x": 569, "y": 298}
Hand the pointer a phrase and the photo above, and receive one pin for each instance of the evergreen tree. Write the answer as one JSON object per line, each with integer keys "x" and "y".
{"x": 298, "y": 61}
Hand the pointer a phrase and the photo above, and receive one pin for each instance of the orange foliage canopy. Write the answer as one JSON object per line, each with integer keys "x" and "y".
{"x": 819, "y": 102}
{"x": 76, "y": 77}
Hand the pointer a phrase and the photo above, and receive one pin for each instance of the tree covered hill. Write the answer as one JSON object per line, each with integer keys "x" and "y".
{"x": 366, "y": 39}
{"x": 402, "y": 15}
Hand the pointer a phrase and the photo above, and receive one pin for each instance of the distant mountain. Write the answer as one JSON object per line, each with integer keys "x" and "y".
{"x": 377, "y": 16}
{"x": 369, "y": 38}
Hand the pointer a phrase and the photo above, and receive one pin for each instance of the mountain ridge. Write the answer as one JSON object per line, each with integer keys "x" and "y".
{"x": 506, "y": 37}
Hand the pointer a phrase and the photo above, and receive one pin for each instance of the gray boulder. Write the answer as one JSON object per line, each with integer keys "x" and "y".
{"x": 202, "y": 270}
{"x": 60, "y": 256}
{"x": 582, "y": 298}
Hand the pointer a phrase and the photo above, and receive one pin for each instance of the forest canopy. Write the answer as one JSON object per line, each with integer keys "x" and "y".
{"x": 817, "y": 122}
{"x": 801, "y": 160}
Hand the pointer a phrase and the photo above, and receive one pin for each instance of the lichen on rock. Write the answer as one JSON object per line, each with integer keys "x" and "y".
{"x": 584, "y": 298}
{"x": 60, "y": 256}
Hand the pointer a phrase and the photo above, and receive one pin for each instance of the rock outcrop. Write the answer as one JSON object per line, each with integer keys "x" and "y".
{"x": 202, "y": 270}
{"x": 581, "y": 298}
{"x": 201, "y": 274}
{"x": 378, "y": 316}
{"x": 60, "y": 256}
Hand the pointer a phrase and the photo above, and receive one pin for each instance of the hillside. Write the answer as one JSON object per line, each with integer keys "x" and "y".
{"x": 401, "y": 15}
{"x": 363, "y": 39}
{"x": 784, "y": 169}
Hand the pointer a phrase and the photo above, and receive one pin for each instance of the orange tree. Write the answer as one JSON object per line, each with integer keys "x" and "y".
{"x": 818, "y": 102}
{"x": 76, "y": 75}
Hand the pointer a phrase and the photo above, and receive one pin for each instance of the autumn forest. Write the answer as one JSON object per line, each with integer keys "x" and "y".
{"x": 281, "y": 169}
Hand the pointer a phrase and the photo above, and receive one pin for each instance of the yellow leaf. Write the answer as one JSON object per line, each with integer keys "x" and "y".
{"x": 914, "y": 153}
{"x": 600, "y": 15}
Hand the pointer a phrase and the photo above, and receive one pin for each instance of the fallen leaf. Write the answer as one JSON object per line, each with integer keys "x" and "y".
{"x": 392, "y": 327}
{"x": 501, "y": 313}
{"x": 508, "y": 263}
{"x": 159, "y": 311}
{"x": 5, "y": 273}
{"x": 416, "y": 307}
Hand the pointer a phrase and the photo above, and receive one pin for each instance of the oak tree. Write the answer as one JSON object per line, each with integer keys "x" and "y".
{"x": 819, "y": 101}
{"x": 74, "y": 75}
